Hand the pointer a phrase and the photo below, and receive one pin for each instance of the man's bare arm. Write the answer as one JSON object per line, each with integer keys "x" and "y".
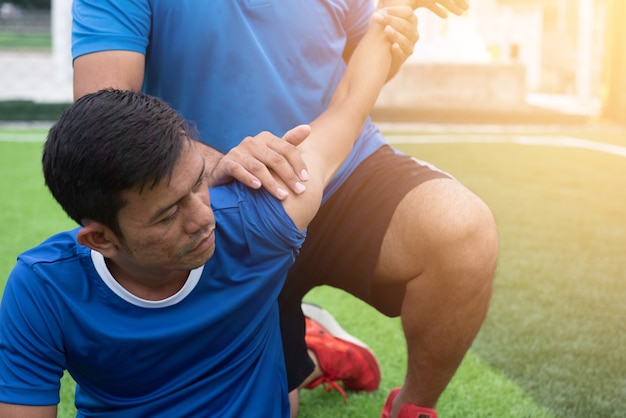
{"x": 8, "y": 410}
{"x": 108, "y": 69}
{"x": 333, "y": 133}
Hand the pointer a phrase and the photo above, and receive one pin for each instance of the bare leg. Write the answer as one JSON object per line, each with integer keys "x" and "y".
{"x": 294, "y": 402}
{"x": 294, "y": 396}
{"x": 442, "y": 242}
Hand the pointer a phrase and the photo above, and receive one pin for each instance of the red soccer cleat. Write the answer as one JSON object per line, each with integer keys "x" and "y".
{"x": 407, "y": 410}
{"x": 341, "y": 356}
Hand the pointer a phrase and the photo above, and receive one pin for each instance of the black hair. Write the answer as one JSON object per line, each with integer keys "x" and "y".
{"x": 108, "y": 142}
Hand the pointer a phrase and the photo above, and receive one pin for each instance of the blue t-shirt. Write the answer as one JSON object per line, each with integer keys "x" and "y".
{"x": 235, "y": 67}
{"x": 212, "y": 349}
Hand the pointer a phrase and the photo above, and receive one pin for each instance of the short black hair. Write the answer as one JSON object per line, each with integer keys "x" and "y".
{"x": 108, "y": 142}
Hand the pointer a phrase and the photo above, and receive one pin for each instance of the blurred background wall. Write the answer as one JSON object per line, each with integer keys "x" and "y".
{"x": 567, "y": 55}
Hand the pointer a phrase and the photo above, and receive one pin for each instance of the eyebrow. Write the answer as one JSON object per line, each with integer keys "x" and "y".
{"x": 163, "y": 210}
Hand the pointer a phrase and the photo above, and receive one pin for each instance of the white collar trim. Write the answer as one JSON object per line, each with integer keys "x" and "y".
{"x": 107, "y": 278}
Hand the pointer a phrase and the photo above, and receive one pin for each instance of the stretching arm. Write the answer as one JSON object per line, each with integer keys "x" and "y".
{"x": 334, "y": 132}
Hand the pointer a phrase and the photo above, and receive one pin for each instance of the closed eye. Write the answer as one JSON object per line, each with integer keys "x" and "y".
{"x": 170, "y": 217}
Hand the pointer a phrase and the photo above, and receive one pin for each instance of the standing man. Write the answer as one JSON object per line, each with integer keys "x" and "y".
{"x": 426, "y": 247}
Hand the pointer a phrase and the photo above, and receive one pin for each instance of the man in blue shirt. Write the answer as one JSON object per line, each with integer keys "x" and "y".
{"x": 393, "y": 231}
{"x": 164, "y": 301}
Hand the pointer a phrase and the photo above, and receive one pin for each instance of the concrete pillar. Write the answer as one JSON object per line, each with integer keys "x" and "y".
{"x": 61, "y": 16}
{"x": 614, "y": 80}
{"x": 584, "y": 55}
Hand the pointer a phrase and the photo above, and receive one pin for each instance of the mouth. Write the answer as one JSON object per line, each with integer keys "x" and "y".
{"x": 204, "y": 243}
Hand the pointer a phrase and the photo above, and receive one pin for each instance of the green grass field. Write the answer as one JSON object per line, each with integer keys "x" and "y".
{"x": 554, "y": 342}
{"x": 11, "y": 41}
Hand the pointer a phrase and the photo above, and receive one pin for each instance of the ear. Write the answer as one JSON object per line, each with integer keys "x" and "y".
{"x": 99, "y": 238}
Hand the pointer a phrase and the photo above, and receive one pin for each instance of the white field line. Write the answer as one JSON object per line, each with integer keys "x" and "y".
{"x": 550, "y": 141}
{"x": 19, "y": 137}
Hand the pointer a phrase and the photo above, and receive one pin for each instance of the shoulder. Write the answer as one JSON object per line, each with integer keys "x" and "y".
{"x": 253, "y": 215}
{"x": 238, "y": 197}
{"x": 58, "y": 247}
{"x": 105, "y": 25}
{"x": 58, "y": 263}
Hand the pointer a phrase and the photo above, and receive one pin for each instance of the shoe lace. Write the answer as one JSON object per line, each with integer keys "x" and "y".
{"x": 328, "y": 385}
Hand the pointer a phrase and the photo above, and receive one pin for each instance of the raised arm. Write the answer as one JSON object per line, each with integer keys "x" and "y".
{"x": 333, "y": 133}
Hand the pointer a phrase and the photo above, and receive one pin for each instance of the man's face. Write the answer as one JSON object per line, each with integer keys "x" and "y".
{"x": 171, "y": 226}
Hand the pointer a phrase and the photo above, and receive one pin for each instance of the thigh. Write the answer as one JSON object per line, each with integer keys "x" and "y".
{"x": 343, "y": 245}
{"x": 429, "y": 231}
{"x": 344, "y": 240}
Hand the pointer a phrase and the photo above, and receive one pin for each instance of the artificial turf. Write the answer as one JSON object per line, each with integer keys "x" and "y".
{"x": 553, "y": 344}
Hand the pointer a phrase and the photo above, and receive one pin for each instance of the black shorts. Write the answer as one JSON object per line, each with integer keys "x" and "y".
{"x": 343, "y": 243}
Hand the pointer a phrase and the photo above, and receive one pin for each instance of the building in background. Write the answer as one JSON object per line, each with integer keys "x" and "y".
{"x": 551, "y": 50}
{"x": 501, "y": 53}
{"x": 614, "y": 75}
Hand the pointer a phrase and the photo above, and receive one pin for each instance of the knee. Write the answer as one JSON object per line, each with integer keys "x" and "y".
{"x": 480, "y": 228}
{"x": 468, "y": 241}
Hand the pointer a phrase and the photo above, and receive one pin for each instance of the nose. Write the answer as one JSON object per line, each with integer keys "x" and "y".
{"x": 199, "y": 214}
